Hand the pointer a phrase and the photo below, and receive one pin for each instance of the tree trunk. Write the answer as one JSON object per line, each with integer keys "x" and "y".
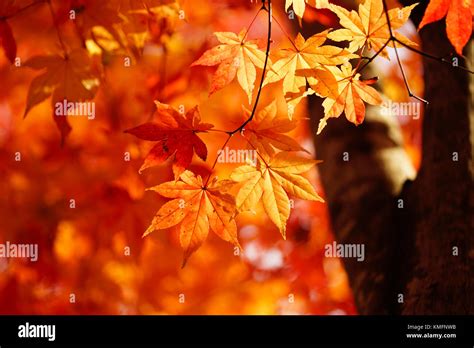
{"x": 418, "y": 235}
{"x": 442, "y": 196}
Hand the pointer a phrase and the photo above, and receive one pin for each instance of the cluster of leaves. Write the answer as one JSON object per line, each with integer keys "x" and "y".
{"x": 74, "y": 74}
{"x": 303, "y": 67}
{"x": 202, "y": 204}
{"x": 325, "y": 68}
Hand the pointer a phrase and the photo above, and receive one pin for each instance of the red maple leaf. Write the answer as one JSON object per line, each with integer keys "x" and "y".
{"x": 458, "y": 15}
{"x": 176, "y": 135}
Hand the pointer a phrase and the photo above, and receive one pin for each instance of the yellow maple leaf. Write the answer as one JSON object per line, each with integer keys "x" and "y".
{"x": 234, "y": 56}
{"x": 368, "y": 27}
{"x": 196, "y": 208}
{"x": 271, "y": 180}
{"x": 305, "y": 54}
{"x": 349, "y": 97}
{"x": 267, "y": 130}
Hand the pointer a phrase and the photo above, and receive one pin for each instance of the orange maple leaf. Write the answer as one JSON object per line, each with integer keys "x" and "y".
{"x": 176, "y": 135}
{"x": 235, "y": 56}
{"x": 349, "y": 97}
{"x": 196, "y": 208}
{"x": 368, "y": 27}
{"x": 458, "y": 19}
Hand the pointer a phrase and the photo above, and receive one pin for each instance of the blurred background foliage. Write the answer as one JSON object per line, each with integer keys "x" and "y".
{"x": 83, "y": 251}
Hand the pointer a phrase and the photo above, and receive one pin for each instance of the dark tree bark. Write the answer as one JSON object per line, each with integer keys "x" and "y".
{"x": 442, "y": 196}
{"x": 410, "y": 251}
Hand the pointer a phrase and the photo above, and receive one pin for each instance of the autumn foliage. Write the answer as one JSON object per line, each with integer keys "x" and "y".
{"x": 175, "y": 83}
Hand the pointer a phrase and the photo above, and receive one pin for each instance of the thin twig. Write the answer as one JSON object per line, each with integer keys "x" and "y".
{"x": 369, "y": 60}
{"x": 405, "y": 78}
{"x": 267, "y": 53}
{"x": 427, "y": 55}
{"x": 392, "y": 39}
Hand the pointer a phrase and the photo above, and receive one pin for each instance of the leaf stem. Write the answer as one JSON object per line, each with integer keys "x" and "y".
{"x": 258, "y": 153}
{"x": 285, "y": 32}
{"x": 251, "y": 23}
{"x": 217, "y": 158}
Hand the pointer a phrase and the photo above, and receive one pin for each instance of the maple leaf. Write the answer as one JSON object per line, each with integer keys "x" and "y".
{"x": 272, "y": 179}
{"x": 196, "y": 208}
{"x": 321, "y": 80}
{"x": 176, "y": 135}
{"x": 299, "y": 6}
{"x": 68, "y": 77}
{"x": 349, "y": 97}
{"x": 458, "y": 19}
{"x": 267, "y": 130}
{"x": 234, "y": 56}
{"x": 369, "y": 26}
{"x": 305, "y": 54}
